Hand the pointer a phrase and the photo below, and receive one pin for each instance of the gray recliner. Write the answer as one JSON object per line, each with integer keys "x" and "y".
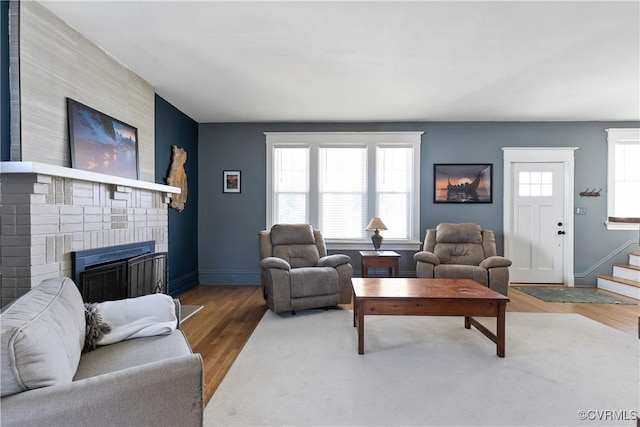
{"x": 296, "y": 271}
{"x": 463, "y": 251}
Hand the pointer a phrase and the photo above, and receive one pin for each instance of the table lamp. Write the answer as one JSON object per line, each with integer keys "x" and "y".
{"x": 374, "y": 225}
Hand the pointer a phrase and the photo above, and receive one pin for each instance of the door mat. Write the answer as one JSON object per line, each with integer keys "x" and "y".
{"x": 187, "y": 311}
{"x": 576, "y": 295}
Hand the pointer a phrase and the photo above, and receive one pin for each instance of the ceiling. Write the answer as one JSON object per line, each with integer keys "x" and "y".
{"x": 310, "y": 61}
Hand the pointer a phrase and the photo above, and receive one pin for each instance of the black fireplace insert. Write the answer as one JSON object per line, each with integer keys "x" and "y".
{"x": 122, "y": 271}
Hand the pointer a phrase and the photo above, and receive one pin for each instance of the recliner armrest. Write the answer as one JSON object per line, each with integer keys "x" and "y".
{"x": 428, "y": 257}
{"x": 495, "y": 261}
{"x": 333, "y": 260}
{"x": 273, "y": 262}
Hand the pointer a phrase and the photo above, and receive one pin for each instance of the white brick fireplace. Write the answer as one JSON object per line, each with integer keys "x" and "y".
{"x": 50, "y": 211}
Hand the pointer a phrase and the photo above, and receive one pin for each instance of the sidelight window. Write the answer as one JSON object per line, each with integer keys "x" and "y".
{"x": 623, "y": 190}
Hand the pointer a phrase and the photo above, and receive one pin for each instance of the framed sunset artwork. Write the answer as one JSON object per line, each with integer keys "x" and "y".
{"x": 463, "y": 183}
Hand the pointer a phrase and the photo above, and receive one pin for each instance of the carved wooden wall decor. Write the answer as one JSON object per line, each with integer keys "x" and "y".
{"x": 178, "y": 177}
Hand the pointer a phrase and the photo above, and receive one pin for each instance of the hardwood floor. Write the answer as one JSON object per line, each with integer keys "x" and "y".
{"x": 219, "y": 331}
{"x": 230, "y": 314}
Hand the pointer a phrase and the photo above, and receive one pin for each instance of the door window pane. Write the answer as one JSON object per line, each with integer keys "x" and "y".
{"x": 535, "y": 184}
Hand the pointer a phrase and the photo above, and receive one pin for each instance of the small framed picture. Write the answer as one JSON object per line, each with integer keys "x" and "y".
{"x": 231, "y": 181}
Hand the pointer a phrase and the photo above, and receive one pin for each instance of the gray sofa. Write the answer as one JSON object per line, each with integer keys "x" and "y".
{"x": 297, "y": 273}
{"x": 463, "y": 251}
{"x": 48, "y": 381}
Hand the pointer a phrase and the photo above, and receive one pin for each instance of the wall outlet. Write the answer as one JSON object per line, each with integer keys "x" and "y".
{"x": 581, "y": 211}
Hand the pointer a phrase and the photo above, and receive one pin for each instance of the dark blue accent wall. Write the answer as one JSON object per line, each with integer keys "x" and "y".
{"x": 228, "y": 249}
{"x": 175, "y": 128}
{"x": 5, "y": 104}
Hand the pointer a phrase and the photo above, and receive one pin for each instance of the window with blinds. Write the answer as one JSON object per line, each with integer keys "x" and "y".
{"x": 291, "y": 184}
{"x": 394, "y": 190}
{"x": 623, "y": 175}
{"x": 342, "y": 192}
{"x": 339, "y": 181}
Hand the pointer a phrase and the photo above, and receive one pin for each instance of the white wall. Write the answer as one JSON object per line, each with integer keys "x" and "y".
{"x": 57, "y": 62}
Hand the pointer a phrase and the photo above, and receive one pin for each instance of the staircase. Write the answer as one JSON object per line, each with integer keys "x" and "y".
{"x": 625, "y": 279}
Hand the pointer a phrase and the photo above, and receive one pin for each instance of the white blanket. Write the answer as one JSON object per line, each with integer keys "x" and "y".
{"x": 145, "y": 316}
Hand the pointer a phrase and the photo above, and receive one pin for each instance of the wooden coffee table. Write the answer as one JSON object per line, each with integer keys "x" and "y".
{"x": 429, "y": 297}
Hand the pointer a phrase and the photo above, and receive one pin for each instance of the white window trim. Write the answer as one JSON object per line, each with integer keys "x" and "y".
{"x": 365, "y": 138}
{"x": 615, "y": 135}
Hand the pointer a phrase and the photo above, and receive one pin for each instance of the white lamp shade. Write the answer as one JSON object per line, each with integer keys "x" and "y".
{"x": 376, "y": 224}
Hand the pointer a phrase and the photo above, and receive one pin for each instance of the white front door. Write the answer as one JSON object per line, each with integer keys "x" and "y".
{"x": 538, "y": 229}
{"x": 532, "y": 255}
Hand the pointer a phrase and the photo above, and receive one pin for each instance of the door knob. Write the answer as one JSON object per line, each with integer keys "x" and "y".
{"x": 561, "y": 232}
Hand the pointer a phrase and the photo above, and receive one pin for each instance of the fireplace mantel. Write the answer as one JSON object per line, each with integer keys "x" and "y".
{"x": 82, "y": 175}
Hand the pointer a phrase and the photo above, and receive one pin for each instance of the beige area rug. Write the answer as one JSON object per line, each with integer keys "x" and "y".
{"x": 186, "y": 311}
{"x": 429, "y": 371}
